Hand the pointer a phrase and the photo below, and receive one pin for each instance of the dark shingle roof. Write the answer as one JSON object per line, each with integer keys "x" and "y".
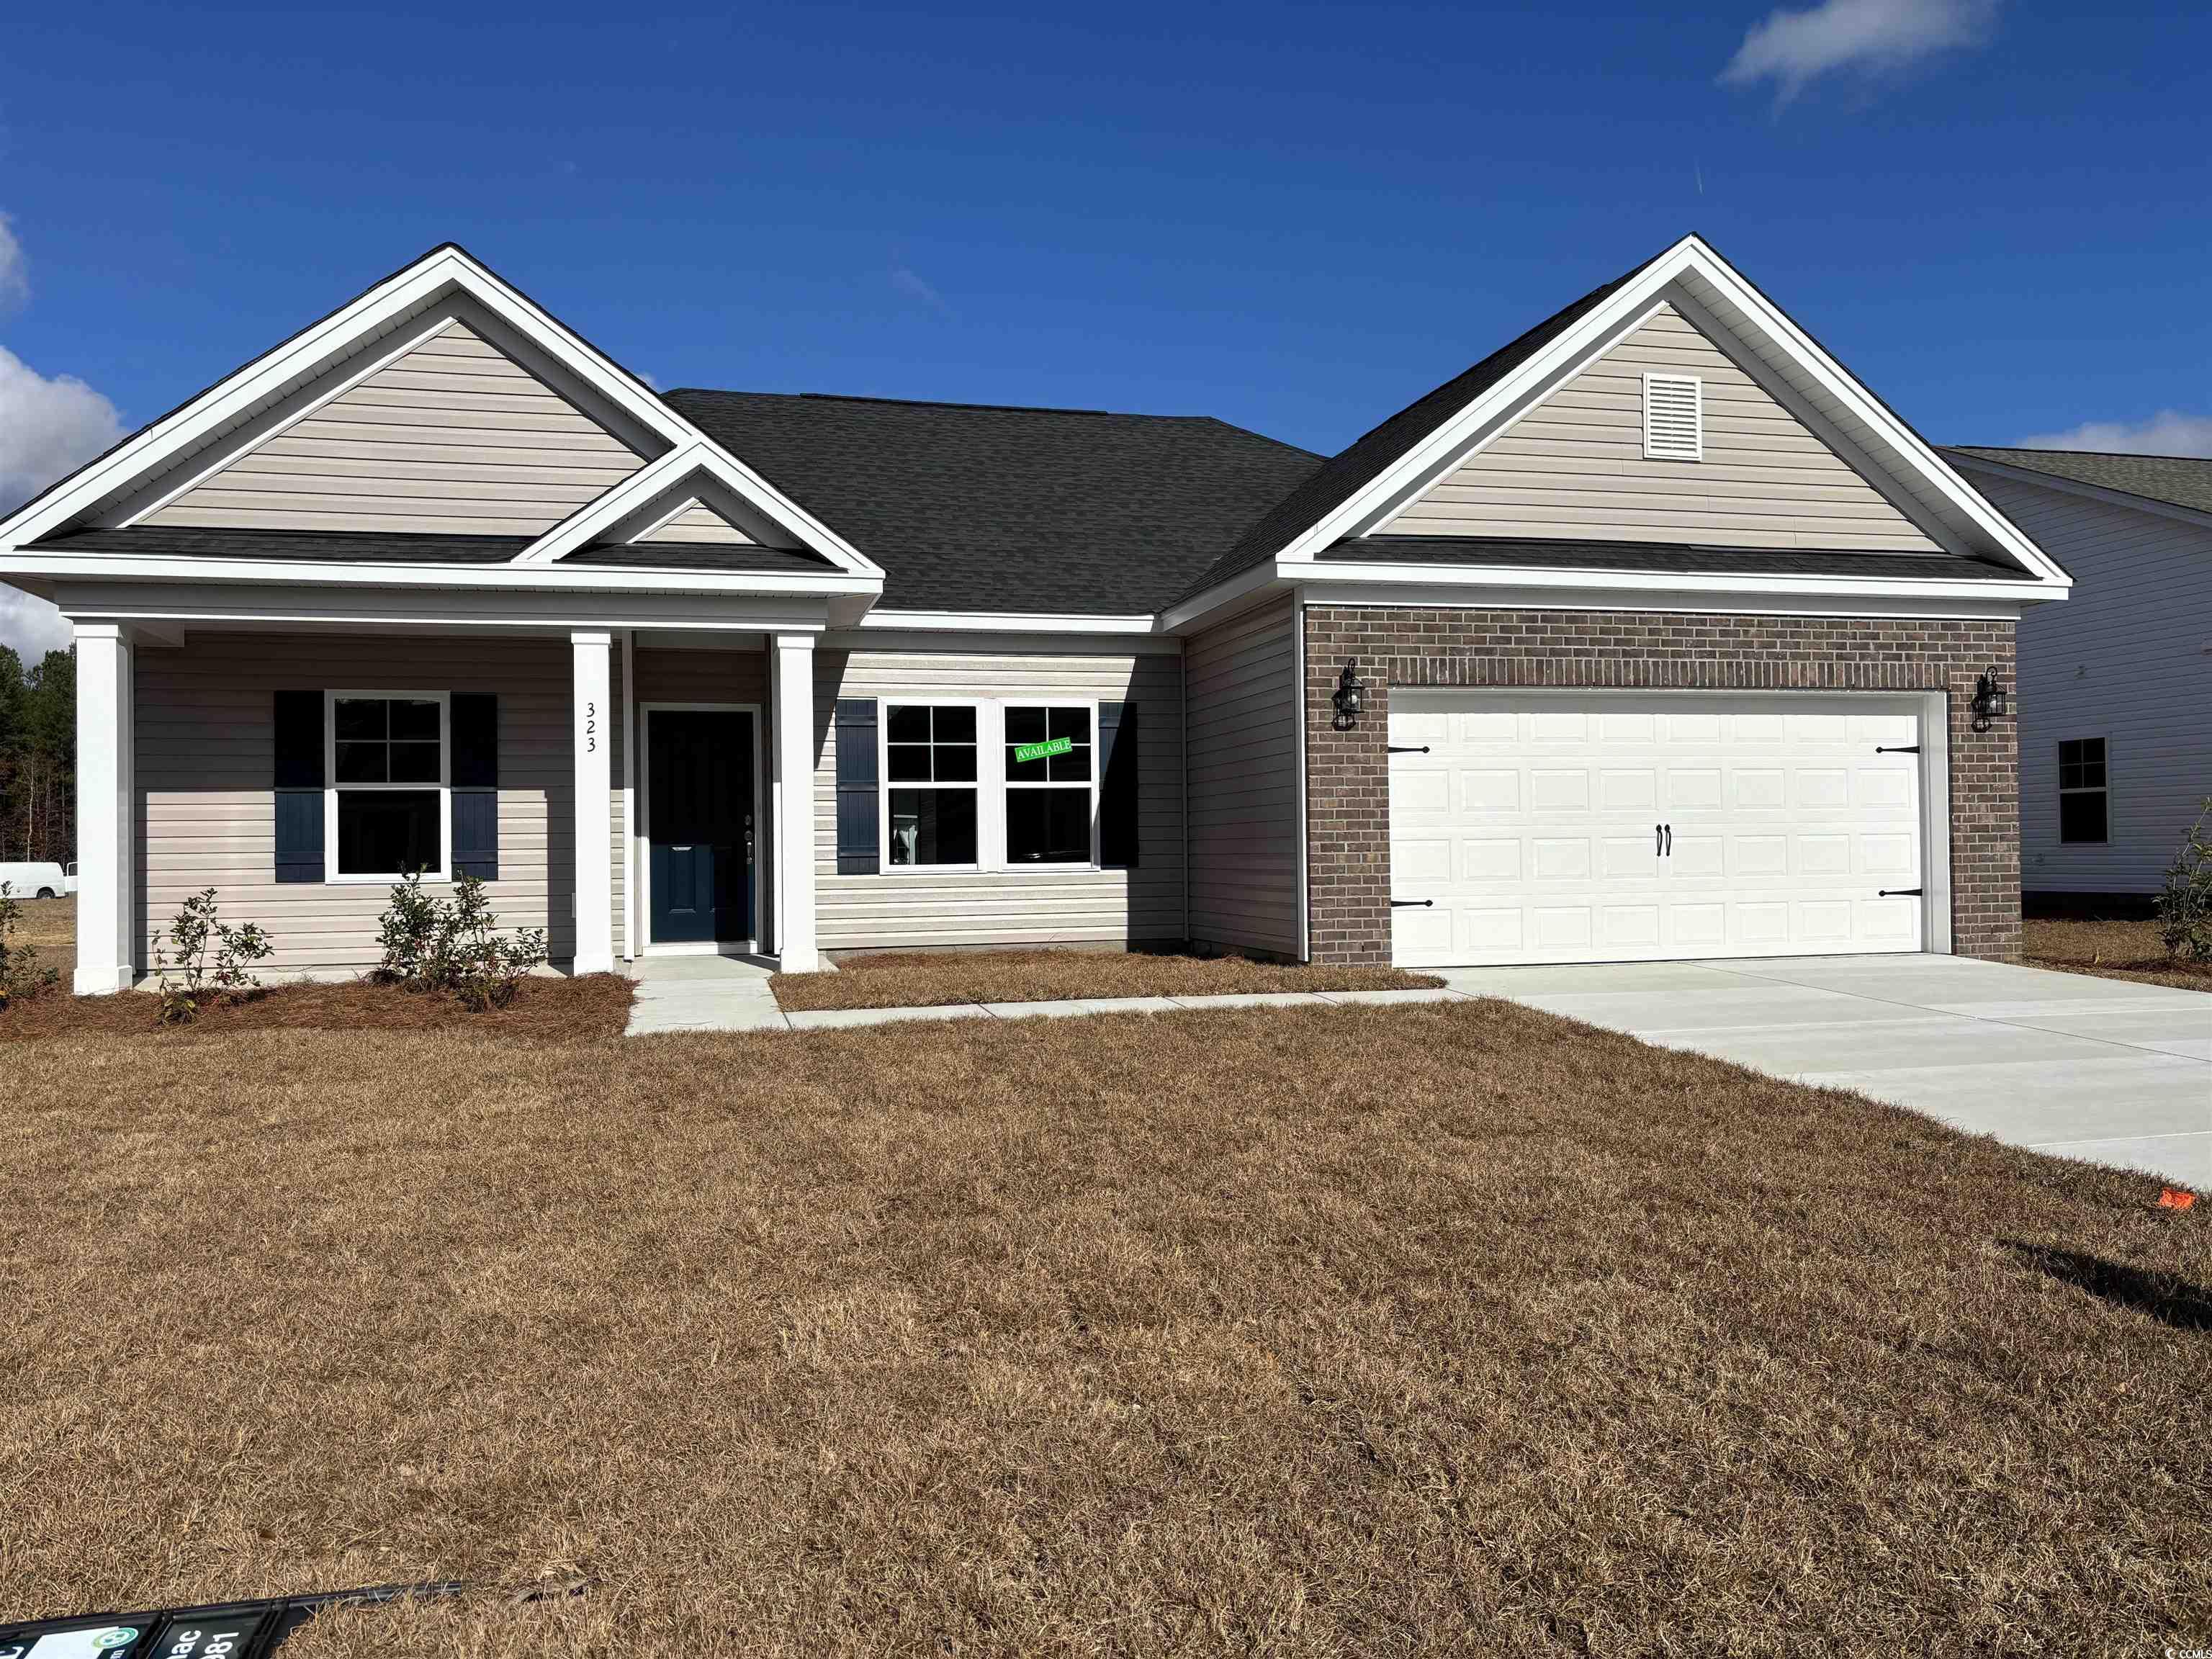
{"x": 1681, "y": 558}
{"x": 367, "y": 546}
{"x": 1368, "y": 457}
{"x": 984, "y": 507}
{"x": 2177, "y": 480}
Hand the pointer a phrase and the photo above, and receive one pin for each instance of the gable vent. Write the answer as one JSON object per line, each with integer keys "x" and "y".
{"x": 1674, "y": 417}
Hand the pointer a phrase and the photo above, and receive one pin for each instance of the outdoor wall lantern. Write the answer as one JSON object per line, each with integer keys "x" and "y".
{"x": 1350, "y": 694}
{"x": 1989, "y": 703}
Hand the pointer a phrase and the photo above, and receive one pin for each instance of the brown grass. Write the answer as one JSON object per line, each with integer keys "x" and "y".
{"x": 1292, "y": 1332}
{"x": 51, "y": 924}
{"x": 2111, "y": 950}
{"x": 594, "y": 1007}
{"x": 929, "y": 978}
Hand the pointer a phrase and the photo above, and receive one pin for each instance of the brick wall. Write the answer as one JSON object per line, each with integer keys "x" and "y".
{"x": 1347, "y": 772}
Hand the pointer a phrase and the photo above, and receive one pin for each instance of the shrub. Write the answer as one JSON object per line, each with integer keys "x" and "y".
{"x": 180, "y": 958}
{"x": 21, "y": 976}
{"x": 454, "y": 945}
{"x": 2184, "y": 902}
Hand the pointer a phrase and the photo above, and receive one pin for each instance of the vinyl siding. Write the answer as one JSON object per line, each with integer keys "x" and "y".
{"x": 1007, "y": 908}
{"x": 699, "y": 523}
{"x": 453, "y": 438}
{"x": 1573, "y": 467}
{"x": 2127, "y": 658}
{"x": 1240, "y": 678}
{"x": 204, "y": 753}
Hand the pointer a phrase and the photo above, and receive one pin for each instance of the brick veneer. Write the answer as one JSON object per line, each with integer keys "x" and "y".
{"x": 1347, "y": 772}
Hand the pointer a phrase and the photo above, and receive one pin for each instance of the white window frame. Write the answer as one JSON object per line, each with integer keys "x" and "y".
{"x": 2058, "y": 775}
{"x": 1006, "y": 785}
{"x": 331, "y": 786}
{"x": 986, "y": 736}
{"x": 1697, "y": 385}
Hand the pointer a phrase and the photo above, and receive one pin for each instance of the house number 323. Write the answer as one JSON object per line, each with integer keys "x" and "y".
{"x": 591, "y": 728}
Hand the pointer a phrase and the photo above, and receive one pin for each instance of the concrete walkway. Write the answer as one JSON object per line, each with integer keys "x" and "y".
{"x": 2103, "y": 1069}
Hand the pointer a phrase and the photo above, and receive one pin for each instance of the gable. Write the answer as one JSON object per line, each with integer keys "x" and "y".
{"x": 1573, "y": 467}
{"x": 694, "y": 523}
{"x": 453, "y": 436}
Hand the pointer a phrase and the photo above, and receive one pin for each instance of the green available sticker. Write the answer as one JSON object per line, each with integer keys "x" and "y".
{"x": 1045, "y": 750}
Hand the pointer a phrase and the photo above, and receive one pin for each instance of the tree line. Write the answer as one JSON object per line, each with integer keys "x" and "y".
{"x": 37, "y": 757}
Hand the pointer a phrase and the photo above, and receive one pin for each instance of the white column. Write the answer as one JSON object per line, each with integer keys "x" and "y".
{"x": 106, "y": 860}
{"x": 594, "y": 791}
{"x": 793, "y": 676}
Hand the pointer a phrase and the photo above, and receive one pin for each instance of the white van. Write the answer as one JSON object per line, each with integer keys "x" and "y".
{"x": 36, "y": 880}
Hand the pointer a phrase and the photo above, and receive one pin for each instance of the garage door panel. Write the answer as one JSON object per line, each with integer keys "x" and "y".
{"x": 1532, "y": 825}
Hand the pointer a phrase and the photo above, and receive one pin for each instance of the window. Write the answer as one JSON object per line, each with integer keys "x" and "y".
{"x": 387, "y": 803}
{"x": 1674, "y": 417}
{"x": 930, "y": 798}
{"x": 2082, "y": 799}
{"x": 1048, "y": 774}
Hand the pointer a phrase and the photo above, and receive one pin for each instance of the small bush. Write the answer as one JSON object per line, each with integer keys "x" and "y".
{"x": 2184, "y": 901}
{"x": 454, "y": 945}
{"x": 21, "y": 976}
{"x": 180, "y": 958}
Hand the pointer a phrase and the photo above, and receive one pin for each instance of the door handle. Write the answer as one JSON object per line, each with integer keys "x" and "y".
{"x": 1670, "y": 840}
{"x": 1901, "y": 892}
{"x": 1658, "y": 841}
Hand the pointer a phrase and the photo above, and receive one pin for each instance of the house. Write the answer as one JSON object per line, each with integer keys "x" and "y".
{"x": 1654, "y": 633}
{"x": 2115, "y": 688}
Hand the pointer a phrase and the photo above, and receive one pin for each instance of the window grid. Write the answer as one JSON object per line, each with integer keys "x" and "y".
{"x": 374, "y": 735}
{"x": 2084, "y": 792}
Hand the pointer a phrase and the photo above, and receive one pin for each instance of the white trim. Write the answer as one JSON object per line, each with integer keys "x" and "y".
{"x": 1413, "y": 585}
{"x": 590, "y": 691}
{"x": 1004, "y": 621}
{"x": 281, "y": 605}
{"x": 750, "y": 944}
{"x": 334, "y": 877}
{"x": 655, "y": 526}
{"x": 1186, "y": 612}
{"x": 611, "y": 578}
{"x": 791, "y": 681}
{"x": 985, "y": 745}
{"x": 2103, "y": 738}
{"x": 1688, "y": 259}
{"x": 1005, "y": 785}
{"x": 1299, "y": 751}
{"x": 1012, "y": 644}
{"x": 630, "y": 726}
{"x": 107, "y": 935}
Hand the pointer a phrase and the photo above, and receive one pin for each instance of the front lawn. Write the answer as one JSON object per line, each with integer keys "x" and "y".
{"x": 1309, "y": 1331}
{"x": 918, "y": 979}
{"x": 2112, "y": 950}
{"x": 51, "y": 926}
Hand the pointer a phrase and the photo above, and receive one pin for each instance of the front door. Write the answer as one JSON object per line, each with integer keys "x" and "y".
{"x": 699, "y": 828}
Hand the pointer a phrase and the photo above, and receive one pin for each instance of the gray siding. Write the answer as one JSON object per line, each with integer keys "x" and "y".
{"x": 2127, "y": 658}
{"x": 203, "y": 756}
{"x": 1573, "y": 467}
{"x": 1240, "y": 678}
{"x": 1007, "y": 908}
{"x": 454, "y": 437}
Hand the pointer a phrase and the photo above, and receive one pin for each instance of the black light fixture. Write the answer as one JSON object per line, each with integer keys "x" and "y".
{"x": 1349, "y": 696}
{"x": 1989, "y": 703}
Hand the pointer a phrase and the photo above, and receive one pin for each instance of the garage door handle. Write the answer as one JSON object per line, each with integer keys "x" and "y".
{"x": 1409, "y": 748}
{"x": 1402, "y": 904}
{"x": 1901, "y": 892}
{"x": 1901, "y": 748}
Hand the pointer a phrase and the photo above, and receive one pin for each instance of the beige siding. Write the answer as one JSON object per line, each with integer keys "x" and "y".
{"x": 1241, "y": 680}
{"x": 204, "y": 753}
{"x": 1573, "y": 467}
{"x": 700, "y": 523}
{"x": 453, "y": 438}
{"x": 1008, "y": 907}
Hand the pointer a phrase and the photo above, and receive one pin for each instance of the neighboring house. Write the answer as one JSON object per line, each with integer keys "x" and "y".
{"x": 1652, "y": 634}
{"x": 2115, "y": 688}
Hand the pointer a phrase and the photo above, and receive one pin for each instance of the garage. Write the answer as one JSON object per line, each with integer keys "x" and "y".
{"x": 1611, "y": 826}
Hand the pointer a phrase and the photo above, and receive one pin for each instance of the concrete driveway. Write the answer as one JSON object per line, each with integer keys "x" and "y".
{"x": 2102, "y": 1069}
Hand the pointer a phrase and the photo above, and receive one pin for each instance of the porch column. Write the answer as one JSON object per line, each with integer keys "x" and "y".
{"x": 793, "y": 676}
{"x": 106, "y": 860}
{"x": 595, "y": 830}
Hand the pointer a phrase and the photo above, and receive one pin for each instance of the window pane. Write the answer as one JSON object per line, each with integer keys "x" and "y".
{"x": 908, "y": 763}
{"x": 1041, "y": 725}
{"x": 956, "y": 763}
{"x": 2081, "y": 816}
{"x": 956, "y": 725}
{"x": 1073, "y": 767}
{"x": 414, "y": 763}
{"x": 361, "y": 763}
{"x": 910, "y": 723}
{"x": 388, "y": 832}
{"x": 360, "y": 717}
{"x": 1025, "y": 726}
{"x": 933, "y": 826}
{"x": 1048, "y": 826}
{"x": 414, "y": 719}
{"x": 1074, "y": 724}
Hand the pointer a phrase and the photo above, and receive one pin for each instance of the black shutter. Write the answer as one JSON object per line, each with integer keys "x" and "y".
{"x": 475, "y": 773}
{"x": 1117, "y": 786}
{"x": 297, "y": 778}
{"x": 858, "y": 852}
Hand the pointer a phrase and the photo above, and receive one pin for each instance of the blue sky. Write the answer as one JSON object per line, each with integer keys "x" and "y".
{"x": 1296, "y": 217}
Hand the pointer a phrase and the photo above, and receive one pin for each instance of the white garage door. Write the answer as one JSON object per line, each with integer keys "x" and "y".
{"x": 1610, "y": 827}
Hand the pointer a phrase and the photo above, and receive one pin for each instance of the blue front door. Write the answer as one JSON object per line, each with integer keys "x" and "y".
{"x": 699, "y": 810}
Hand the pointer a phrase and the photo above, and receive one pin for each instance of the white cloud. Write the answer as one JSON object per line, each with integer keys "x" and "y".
{"x": 1868, "y": 36}
{"x": 2169, "y": 432}
{"x": 48, "y": 428}
{"x": 15, "y": 270}
{"x": 909, "y": 282}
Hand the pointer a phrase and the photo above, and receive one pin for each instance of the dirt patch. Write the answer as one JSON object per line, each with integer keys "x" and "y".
{"x": 931, "y": 979}
{"x": 1376, "y": 1331}
{"x": 593, "y": 1008}
{"x": 2110, "y": 949}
